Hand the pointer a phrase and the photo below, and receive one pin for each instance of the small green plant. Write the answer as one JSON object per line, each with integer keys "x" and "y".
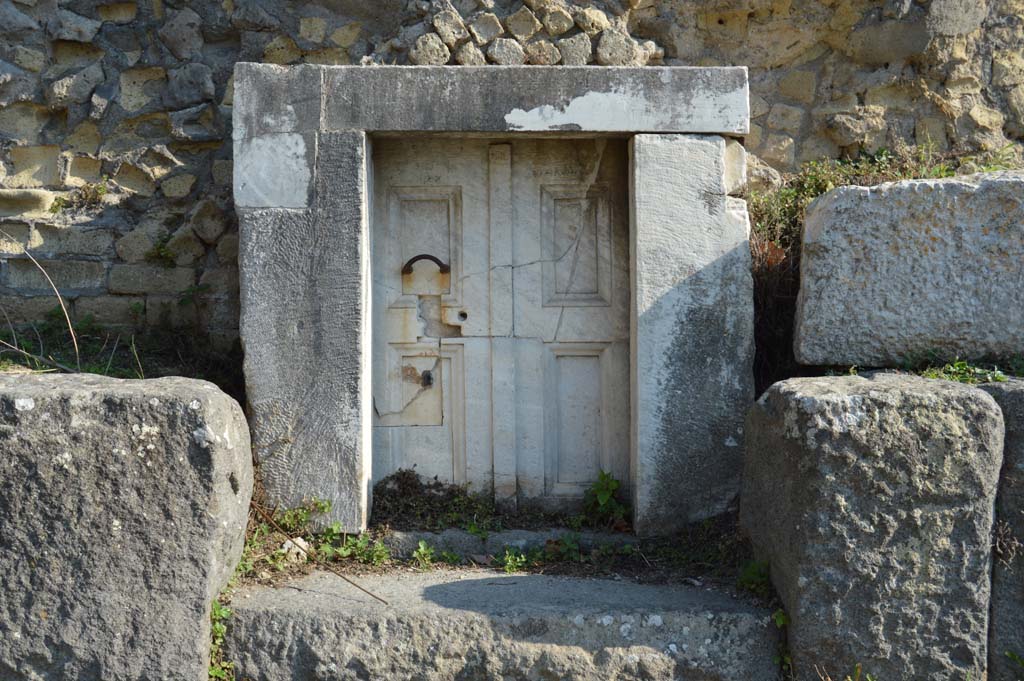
{"x": 513, "y": 561}
{"x": 296, "y": 520}
{"x": 601, "y": 504}
{"x": 160, "y": 254}
{"x": 1015, "y": 658}
{"x": 780, "y": 618}
{"x": 451, "y": 558}
{"x": 567, "y": 547}
{"x": 59, "y": 204}
{"x": 964, "y": 372}
{"x": 189, "y": 295}
{"x": 220, "y": 668}
{"x": 423, "y": 555}
{"x": 477, "y": 531}
{"x": 755, "y": 578}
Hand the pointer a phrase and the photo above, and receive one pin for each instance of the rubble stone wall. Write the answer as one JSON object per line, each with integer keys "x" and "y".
{"x": 115, "y": 169}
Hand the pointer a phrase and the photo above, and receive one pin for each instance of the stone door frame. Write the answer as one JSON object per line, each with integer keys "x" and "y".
{"x": 302, "y": 168}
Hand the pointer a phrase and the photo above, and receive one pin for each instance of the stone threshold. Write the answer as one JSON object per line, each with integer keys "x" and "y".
{"x": 447, "y": 624}
{"x": 402, "y": 543}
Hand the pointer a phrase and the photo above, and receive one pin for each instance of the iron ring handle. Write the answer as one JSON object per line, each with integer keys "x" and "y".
{"x": 407, "y": 267}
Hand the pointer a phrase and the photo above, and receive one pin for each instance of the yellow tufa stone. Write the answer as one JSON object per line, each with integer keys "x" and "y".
{"x": 799, "y": 86}
{"x": 83, "y": 170}
{"x": 35, "y": 166}
{"x": 281, "y": 50}
{"x": 118, "y": 12}
{"x": 23, "y": 121}
{"x": 347, "y": 35}
{"x": 329, "y": 56}
{"x": 136, "y": 91}
{"x": 85, "y": 139}
{"x": 178, "y": 186}
{"x": 134, "y": 179}
{"x": 312, "y": 29}
{"x": 29, "y": 59}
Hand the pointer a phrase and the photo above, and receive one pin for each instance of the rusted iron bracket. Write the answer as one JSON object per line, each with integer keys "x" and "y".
{"x": 407, "y": 268}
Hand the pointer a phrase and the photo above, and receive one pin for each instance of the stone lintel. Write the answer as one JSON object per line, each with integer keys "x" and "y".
{"x": 491, "y": 99}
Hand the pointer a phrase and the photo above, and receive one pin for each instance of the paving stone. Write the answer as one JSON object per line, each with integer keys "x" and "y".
{"x": 487, "y": 626}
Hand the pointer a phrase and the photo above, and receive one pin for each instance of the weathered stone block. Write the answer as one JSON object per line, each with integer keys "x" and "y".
{"x": 539, "y": 99}
{"x": 24, "y": 201}
{"x": 498, "y": 627}
{"x": 872, "y": 499}
{"x": 111, "y": 310}
{"x": 123, "y": 507}
{"x": 34, "y": 166}
{"x": 910, "y": 269}
{"x": 151, "y": 279}
{"x": 67, "y": 275}
{"x": 693, "y": 325}
{"x": 274, "y": 170}
{"x": 305, "y": 325}
{"x": 1006, "y": 631}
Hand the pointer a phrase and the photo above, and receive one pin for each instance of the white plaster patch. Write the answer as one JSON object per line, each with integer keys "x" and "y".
{"x": 24, "y": 404}
{"x": 596, "y": 111}
{"x": 272, "y": 171}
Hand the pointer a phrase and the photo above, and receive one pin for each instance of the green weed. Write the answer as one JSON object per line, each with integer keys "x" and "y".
{"x": 513, "y": 561}
{"x": 220, "y": 669}
{"x": 601, "y": 505}
{"x": 423, "y": 556}
{"x": 964, "y": 372}
{"x": 755, "y": 578}
{"x": 451, "y": 558}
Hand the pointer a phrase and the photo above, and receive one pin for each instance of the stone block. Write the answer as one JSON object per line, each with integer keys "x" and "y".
{"x": 34, "y": 167}
{"x": 309, "y": 395}
{"x": 83, "y": 170}
{"x": 118, "y": 12}
{"x": 470, "y": 55}
{"x": 110, "y": 311}
{"x": 1006, "y": 630}
{"x": 872, "y": 500}
{"x": 617, "y": 48}
{"x": 140, "y": 86}
{"x": 167, "y": 312}
{"x": 63, "y": 240}
{"x": 543, "y": 53}
{"x": 182, "y": 34}
{"x": 131, "y": 498}
{"x": 22, "y": 310}
{"x": 151, "y": 279}
{"x": 185, "y": 246}
{"x": 499, "y": 627}
{"x": 23, "y": 122}
{"x": 67, "y": 275}
{"x": 313, "y": 29}
{"x": 523, "y": 24}
{"x": 25, "y": 201}
{"x": 539, "y": 99}
{"x": 208, "y": 221}
{"x": 486, "y": 28}
{"x": 693, "y": 325}
{"x": 429, "y": 50}
{"x": 913, "y": 269}
{"x": 74, "y": 89}
{"x": 276, "y": 99}
{"x": 557, "y": 21}
{"x": 577, "y": 50}
{"x": 188, "y": 85}
{"x": 592, "y": 20}
{"x": 506, "y": 52}
{"x": 66, "y": 25}
{"x": 178, "y": 186}
{"x": 449, "y": 26}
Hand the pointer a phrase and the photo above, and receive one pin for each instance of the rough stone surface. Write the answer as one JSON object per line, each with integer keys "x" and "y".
{"x": 616, "y": 48}
{"x": 1006, "y": 630}
{"x": 872, "y": 499}
{"x": 935, "y": 265}
{"x": 506, "y": 52}
{"x": 444, "y": 625}
{"x": 693, "y": 326}
{"x": 470, "y": 55}
{"x": 577, "y": 50}
{"x": 122, "y": 514}
{"x": 430, "y": 50}
{"x": 305, "y": 327}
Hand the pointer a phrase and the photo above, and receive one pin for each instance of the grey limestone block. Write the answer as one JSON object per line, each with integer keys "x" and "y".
{"x": 123, "y": 507}
{"x": 872, "y": 500}
{"x": 908, "y": 269}
{"x": 305, "y": 328}
{"x": 1006, "y": 632}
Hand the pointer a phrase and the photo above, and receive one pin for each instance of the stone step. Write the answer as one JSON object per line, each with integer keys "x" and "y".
{"x": 461, "y": 624}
